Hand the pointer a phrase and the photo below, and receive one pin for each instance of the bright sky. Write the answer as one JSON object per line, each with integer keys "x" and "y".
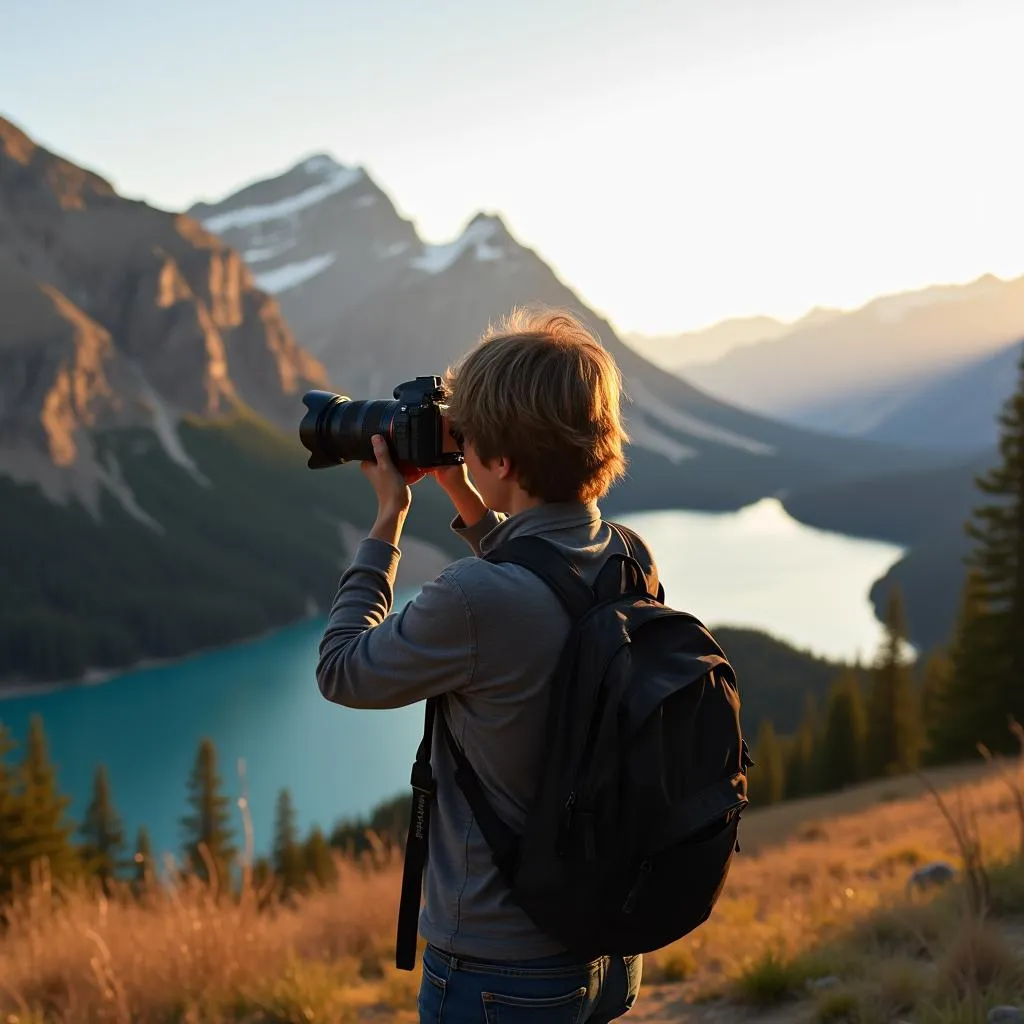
{"x": 677, "y": 162}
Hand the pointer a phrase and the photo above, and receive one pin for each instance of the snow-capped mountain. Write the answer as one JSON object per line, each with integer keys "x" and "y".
{"x": 377, "y": 306}
{"x": 319, "y": 238}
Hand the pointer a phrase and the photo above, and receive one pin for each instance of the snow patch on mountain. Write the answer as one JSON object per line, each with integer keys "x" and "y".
{"x": 261, "y": 255}
{"x": 116, "y": 485}
{"x": 644, "y": 435}
{"x": 291, "y": 275}
{"x": 166, "y": 431}
{"x": 435, "y": 259}
{"x": 688, "y": 424}
{"x": 386, "y": 252}
{"x": 337, "y": 179}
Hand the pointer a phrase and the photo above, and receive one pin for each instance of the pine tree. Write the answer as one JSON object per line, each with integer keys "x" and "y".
{"x": 987, "y": 686}
{"x": 894, "y": 730}
{"x": 12, "y": 813}
{"x": 319, "y": 859}
{"x": 843, "y": 746}
{"x": 44, "y": 835}
{"x": 288, "y": 861}
{"x": 967, "y": 707}
{"x": 207, "y": 828}
{"x": 102, "y": 833}
{"x": 142, "y": 859}
{"x": 768, "y": 776}
{"x": 936, "y": 677}
{"x": 801, "y": 761}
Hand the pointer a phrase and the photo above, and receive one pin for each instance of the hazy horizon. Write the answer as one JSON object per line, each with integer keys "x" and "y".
{"x": 677, "y": 164}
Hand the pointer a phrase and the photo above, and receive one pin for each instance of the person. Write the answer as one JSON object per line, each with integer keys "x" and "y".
{"x": 536, "y": 406}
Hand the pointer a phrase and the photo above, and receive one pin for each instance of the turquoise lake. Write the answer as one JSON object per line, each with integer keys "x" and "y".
{"x": 260, "y": 703}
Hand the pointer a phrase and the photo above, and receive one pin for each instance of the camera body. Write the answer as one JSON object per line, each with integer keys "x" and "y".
{"x": 336, "y": 430}
{"x": 419, "y": 428}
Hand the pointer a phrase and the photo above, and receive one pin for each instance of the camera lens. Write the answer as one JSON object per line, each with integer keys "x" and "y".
{"x": 337, "y": 429}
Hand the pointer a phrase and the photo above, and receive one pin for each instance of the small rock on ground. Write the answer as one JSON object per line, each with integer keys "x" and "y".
{"x": 1005, "y": 1015}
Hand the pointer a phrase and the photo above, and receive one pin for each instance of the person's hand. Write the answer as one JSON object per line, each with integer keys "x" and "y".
{"x": 390, "y": 484}
{"x": 454, "y": 481}
{"x": 451, "y": 479}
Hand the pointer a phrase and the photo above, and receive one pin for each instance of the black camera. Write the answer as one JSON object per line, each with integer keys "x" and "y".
{"x": 337, "y": 430}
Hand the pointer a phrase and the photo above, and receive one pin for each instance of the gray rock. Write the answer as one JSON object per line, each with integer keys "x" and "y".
{"x": 820, "y": 984}
{"x": 1005, "y": 1015}
{"x": 929, "y": 876}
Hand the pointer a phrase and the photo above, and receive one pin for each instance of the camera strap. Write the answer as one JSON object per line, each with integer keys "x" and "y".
{"x": 423, "y": 790}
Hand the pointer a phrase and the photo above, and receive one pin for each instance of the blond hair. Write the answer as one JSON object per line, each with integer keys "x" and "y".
{"x": 541, "y": 390}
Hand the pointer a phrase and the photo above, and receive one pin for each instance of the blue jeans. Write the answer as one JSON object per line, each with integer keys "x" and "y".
{"x": 550, "y": 990}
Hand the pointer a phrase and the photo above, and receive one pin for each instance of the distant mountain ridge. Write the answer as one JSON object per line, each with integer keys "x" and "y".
{"x": 678, "y": 352}
{"x": 851, "y": 373}
{"x": 957, "y": 412}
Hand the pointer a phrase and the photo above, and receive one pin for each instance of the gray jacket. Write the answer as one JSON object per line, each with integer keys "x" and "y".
{"x": 488, "y": 637}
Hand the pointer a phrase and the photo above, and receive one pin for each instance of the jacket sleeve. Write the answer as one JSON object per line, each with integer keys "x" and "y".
{"x": 370, "y": 659}
{"x": 474, "y": 534}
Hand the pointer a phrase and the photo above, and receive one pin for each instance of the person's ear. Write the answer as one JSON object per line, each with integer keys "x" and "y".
{"x": 503, "y": 467}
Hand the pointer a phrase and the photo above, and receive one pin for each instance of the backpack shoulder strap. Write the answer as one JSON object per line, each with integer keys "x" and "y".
{"x": 557, "y": 570}
{"x": 638, "y": 551}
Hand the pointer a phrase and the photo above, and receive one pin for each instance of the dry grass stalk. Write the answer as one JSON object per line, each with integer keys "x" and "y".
{"x": 1014, "y": 780}
{"x": 964, "y": 827}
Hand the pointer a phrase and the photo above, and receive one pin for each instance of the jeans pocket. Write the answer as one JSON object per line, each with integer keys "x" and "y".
{"x": 430, "y": 1001}
{"x": 634, "y": 966}
{"x": 562, "y": 1008}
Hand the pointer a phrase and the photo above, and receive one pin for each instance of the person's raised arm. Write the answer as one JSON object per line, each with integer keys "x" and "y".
{"x": 474, "y": 520}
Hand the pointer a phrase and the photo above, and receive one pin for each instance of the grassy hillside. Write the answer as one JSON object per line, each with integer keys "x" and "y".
{"x": 819, "y": 891}
{"x": 245, "y": 554}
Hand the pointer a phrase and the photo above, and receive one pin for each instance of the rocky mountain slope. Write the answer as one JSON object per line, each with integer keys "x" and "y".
{"x": 150, "y": 506}
{"x": 118, "y": 314}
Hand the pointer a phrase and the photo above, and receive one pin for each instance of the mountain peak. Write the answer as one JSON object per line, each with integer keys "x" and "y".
{"x": 317, "y": 163}
{"x": 266, "y": 201}
{"x": 485, "y": 236}
{"x": 324, "y": 167}
{"x": 493, "y": 219}
{"x": 72, "y": 186}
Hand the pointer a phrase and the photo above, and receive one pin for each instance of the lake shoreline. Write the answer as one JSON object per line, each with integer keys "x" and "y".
{"x": 95, "y": 676}
{"x": 99, "y": 676}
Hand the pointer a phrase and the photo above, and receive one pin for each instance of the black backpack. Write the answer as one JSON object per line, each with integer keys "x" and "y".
{"x": 631, "y": 834}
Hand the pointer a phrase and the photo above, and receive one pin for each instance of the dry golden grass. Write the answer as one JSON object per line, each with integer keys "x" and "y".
{"x": 180, "y": 954}
{"x": 819, "y": 889}
{"x": 836, "y": 869}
